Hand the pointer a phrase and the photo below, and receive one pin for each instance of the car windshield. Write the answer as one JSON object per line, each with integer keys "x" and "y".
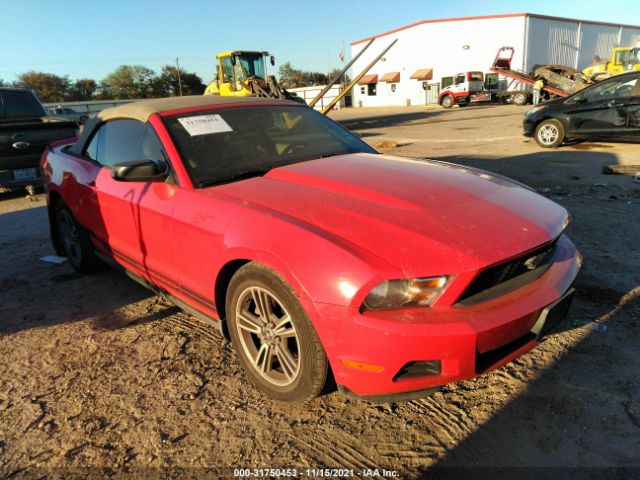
{"x": 224, "y": 145}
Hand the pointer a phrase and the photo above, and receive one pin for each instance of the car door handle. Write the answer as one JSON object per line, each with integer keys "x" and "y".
{"x": 21, "y": 145}
{"x": 613, "y": 103}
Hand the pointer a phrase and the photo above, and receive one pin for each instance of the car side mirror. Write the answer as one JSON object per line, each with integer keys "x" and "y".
{"x": 272, "y": 59}
{"x": 140, "y": 171}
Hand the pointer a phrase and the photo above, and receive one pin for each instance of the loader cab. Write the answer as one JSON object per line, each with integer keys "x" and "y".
{"x": 626, "y": 59}
{"x": 236, "y": 67}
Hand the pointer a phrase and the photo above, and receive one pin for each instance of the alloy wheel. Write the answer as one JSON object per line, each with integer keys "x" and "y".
{"x": 69, "y": 236}
{"x": 548, "y": 134}
{"x": 268, "y": 336}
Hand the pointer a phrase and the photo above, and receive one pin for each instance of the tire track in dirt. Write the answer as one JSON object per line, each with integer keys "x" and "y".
{"x": 335, "y": 454}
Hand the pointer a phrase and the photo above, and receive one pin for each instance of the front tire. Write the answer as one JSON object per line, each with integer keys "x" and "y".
{"x": 550, "y": 133}
{"x": 74, "y": 240}
{"x": 277, "y": 346}
{"x": 447, "y": 101}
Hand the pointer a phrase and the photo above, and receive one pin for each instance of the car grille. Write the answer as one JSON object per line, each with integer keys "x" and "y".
{"x": 510, "y": 275}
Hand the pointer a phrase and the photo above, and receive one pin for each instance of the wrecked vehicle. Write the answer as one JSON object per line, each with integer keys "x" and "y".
{"x": 320, "y": 258}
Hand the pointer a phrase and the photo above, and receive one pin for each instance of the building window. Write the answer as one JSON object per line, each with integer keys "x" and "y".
{"x": 363, "y": 90}
{"x": 446, "y": 81}
{"x": 371, "y": 89}
{"x": 393, "y": 87}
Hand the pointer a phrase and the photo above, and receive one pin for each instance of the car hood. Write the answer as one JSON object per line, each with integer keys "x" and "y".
{"x": 423, "y": 217}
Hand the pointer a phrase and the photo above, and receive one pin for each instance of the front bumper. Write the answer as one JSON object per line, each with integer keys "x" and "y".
{"x": 466, "y": 341}
{"x": 529, "y": 125}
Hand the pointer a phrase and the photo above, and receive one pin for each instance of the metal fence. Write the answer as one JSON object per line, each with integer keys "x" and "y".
{"x": 90, "y": 107}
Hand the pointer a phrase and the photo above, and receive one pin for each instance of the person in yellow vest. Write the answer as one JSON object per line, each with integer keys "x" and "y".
{"x": 537, "y": 88}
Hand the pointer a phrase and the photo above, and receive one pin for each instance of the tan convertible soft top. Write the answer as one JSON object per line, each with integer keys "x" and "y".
{"x": 143, "y": 109}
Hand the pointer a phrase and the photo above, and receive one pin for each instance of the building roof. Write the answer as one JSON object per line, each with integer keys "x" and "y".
{"x": 488, "y": 17}
{"x": 143, "y": 109}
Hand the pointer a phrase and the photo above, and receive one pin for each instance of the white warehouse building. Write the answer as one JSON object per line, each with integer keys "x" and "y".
{"x": 429, "y": 53}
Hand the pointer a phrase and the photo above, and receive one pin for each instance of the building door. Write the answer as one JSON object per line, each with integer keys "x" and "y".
{"x": 433, "y": 90}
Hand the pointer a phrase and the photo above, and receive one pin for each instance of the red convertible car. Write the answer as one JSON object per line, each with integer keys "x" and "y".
{"x": 320, "y": 258}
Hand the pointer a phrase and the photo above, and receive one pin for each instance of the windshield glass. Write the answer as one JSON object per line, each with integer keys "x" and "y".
{"x": 252, "y": 64}
{"x": 220, "y": 146}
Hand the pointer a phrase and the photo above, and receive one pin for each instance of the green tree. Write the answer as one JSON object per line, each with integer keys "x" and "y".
{"x": 166, "y": 84}
{"x": 82, "y": 89}
{"x": 103, "y": 92}
{"x": 336, "y": 71}
{"x": 292, "y": 77}
{"x": 48, "y": 86}
{"x": 128, "y": 82}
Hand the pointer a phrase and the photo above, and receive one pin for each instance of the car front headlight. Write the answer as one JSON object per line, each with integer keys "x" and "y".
{"x": 534, "y": 110}
{"x": 415, "y": 292}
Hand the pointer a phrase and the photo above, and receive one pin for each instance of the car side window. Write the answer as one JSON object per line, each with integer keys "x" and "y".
{"x": 92, "y": 150}
{"x": 609, "y": 89}
{"x": 127, "y": 140}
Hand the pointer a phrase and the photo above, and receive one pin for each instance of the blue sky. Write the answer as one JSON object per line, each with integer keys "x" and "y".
{"x": 90, "y": 38}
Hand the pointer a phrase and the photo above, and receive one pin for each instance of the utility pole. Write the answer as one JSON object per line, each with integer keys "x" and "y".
{"x": 179, "y": 79}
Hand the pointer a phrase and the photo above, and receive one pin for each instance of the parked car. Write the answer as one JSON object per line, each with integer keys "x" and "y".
{"x": 316, "y": 255}
{"x": 68, "y": 114}
{"x": 606, "y": 111}
{"x": 25, "y": 131}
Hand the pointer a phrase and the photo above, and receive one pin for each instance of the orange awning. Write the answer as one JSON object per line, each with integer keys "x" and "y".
{"x": 423, "y": 74}
{"x": 391, "y": 77}
{"x": 367, "y": 79}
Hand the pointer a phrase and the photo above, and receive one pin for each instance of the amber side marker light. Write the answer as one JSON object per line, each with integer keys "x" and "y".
{"x": 367, "y": 367}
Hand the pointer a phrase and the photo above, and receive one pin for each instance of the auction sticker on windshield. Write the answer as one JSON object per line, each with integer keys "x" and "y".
{"x": 204, "y": 125}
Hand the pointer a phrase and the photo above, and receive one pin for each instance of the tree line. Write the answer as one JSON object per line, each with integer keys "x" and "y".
{"x": 125, "y": 82}
{"x": 292, "y": 77}
{"x": 137, "y": 81}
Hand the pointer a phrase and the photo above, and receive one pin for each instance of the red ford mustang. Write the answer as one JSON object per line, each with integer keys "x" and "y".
{"x": 317, "y": 256}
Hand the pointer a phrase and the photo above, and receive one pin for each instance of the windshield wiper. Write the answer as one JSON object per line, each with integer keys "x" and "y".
{"x": 240, "y": 176}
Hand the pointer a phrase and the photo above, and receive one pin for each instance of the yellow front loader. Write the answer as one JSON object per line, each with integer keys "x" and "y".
{"x": 623, "y": 59}
{"x": 244, "y": 73}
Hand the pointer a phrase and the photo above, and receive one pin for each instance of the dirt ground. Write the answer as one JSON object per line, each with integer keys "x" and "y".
{"x": 99, "y": 377}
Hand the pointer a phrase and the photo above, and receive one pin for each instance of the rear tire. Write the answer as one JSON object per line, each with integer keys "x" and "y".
{"x": 550, "y": 133}
{"x": 277, "y": 345}
{"x": 74, "y": 240}
{"x": 447, "y": 101}
{"x": 520, "y": 98}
